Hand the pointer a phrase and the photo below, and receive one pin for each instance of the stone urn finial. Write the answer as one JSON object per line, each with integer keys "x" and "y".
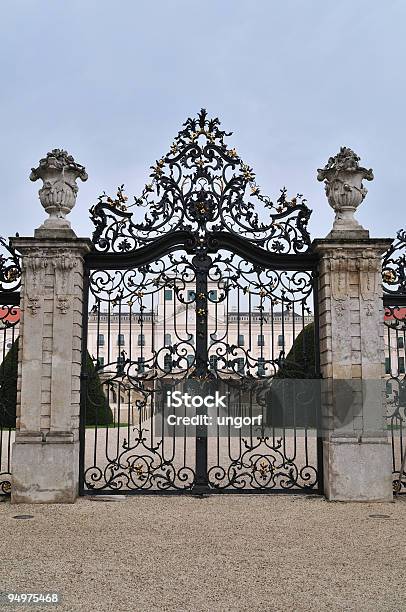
{"x": 343, "y": 178}
{"x": 59, "y": 173}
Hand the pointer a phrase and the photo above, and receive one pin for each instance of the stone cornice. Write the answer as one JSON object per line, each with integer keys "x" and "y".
{"x": 358, "y": 246}
{"x": 51, "y": 246}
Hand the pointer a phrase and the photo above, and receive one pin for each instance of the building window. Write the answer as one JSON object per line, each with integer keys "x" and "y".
{"x": 141, "y": 340}
{"x": 120, "y": 340}
{"x": 168, "y": 363}
{"x": 100, "y": 362}
{"x": 401, "y": 342}
{"x": 190, "y": 359}
{"x": 190, "y": 296}
{"x": 121, "y": 361}
{"x": 401, "y": 365}
{"x": 387, "y": 365}
{"x": 240, "y": 340}
{"x": 388, "y": 388}
{"x": 280, "y": 340}
{"x": 168, "y": 294}
{"x": 100, "y": 340}
{"x": 213, "y": 361}
{"x": 168, "y": 340}
{"x": 141, "y": 365}
{"x": 213, "y": 295}
{"x": 240, "y": 365}
{"x": 261, "y": 366}
{"x": 261, "y": 340}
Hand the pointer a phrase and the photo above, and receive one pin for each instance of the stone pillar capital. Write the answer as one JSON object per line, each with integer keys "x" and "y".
{"x": 350, "y": 246}
{"x": 48, "y": 246}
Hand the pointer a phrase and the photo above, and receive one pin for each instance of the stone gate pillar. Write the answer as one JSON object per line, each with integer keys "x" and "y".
{"x": 357, "y": 452}
{"x": 46, "y": 450}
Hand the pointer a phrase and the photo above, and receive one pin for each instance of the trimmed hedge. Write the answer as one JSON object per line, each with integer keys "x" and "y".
{"x": 8, "y": 387}
{"x": 98, "y": 411}
{"x": 293, "y": 400}
{"x": 300, "y": 361}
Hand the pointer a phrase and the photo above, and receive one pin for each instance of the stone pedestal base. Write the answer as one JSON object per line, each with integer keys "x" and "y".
{"x": 45, "y": 472}
{"x": 358, "y": 471}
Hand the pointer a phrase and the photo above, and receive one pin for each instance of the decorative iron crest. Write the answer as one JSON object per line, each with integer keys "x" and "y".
{"x": 10, "y": 269}
{"x": 394, "y": 266}
{"x": 201, "y": 186}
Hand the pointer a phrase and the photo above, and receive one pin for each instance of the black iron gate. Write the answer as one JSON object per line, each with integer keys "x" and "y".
{"x": 10, "y": 279}
{"x": 210, "y": 297}
{"x": 394, "y": 299}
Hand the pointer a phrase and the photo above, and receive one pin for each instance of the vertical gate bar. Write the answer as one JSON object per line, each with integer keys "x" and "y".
{"x": 120, "y": 370}
{"x": 97, "y": 356}
{"x": 120, "y": 364}
{"x": 202, "y": 266}
{"x": 130, "y": 420}
{"x": 2, "y": 370}
{"x": 109, "y": 387}
{"x": 249, "y": 324}
{"x": 319, "y": 432}
{"x": 398, "y": 376}
{"x": 83, "y": 380}
{"x": 9, "y": 451}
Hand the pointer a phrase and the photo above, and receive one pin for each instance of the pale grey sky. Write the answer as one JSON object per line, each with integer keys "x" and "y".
{"x": 112, "y": 82}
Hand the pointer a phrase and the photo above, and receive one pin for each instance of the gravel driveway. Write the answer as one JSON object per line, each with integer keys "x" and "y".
{"x": 234, "y": 552}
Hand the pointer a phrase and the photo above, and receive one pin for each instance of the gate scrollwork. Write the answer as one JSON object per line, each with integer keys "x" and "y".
{"x": 200, "y": 282}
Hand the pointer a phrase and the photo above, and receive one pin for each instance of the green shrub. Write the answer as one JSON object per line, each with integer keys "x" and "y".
{"x": 293, "y": 399}
{"x": 98, "y": 411}
{"x": 8, "y": 387}
{"x": 300, "y": 361}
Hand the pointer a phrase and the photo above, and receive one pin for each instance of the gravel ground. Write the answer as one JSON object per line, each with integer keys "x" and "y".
{"x": 235, "y": 552}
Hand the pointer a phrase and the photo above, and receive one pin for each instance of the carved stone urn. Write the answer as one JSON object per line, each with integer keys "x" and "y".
{"x": 343, "y": 178}
{"x": 59, "y": 173}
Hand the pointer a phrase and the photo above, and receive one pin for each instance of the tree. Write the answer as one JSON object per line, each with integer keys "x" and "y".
{"x": 293, "y": 400}
{"x": 300, "y": 361}
{"x": 8, "y": 387}
{"x": 98, "y": 410}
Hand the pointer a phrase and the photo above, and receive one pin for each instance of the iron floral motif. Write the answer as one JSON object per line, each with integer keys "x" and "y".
{"x": 394, "y": 266}
{"x": 140, "y": 466}
{"x": 202, "y": 187}
{"x": 10, "y": 268}
{"x": 263, "y": 465}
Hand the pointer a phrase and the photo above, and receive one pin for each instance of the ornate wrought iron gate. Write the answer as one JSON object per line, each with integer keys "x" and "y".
{"x": 213, "y": 291}
{"x": 10, "y": 279}
{"x": 394, "y": 299}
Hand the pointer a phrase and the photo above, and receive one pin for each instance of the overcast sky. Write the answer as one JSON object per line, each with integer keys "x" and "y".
{"x": 112, "y": 82}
